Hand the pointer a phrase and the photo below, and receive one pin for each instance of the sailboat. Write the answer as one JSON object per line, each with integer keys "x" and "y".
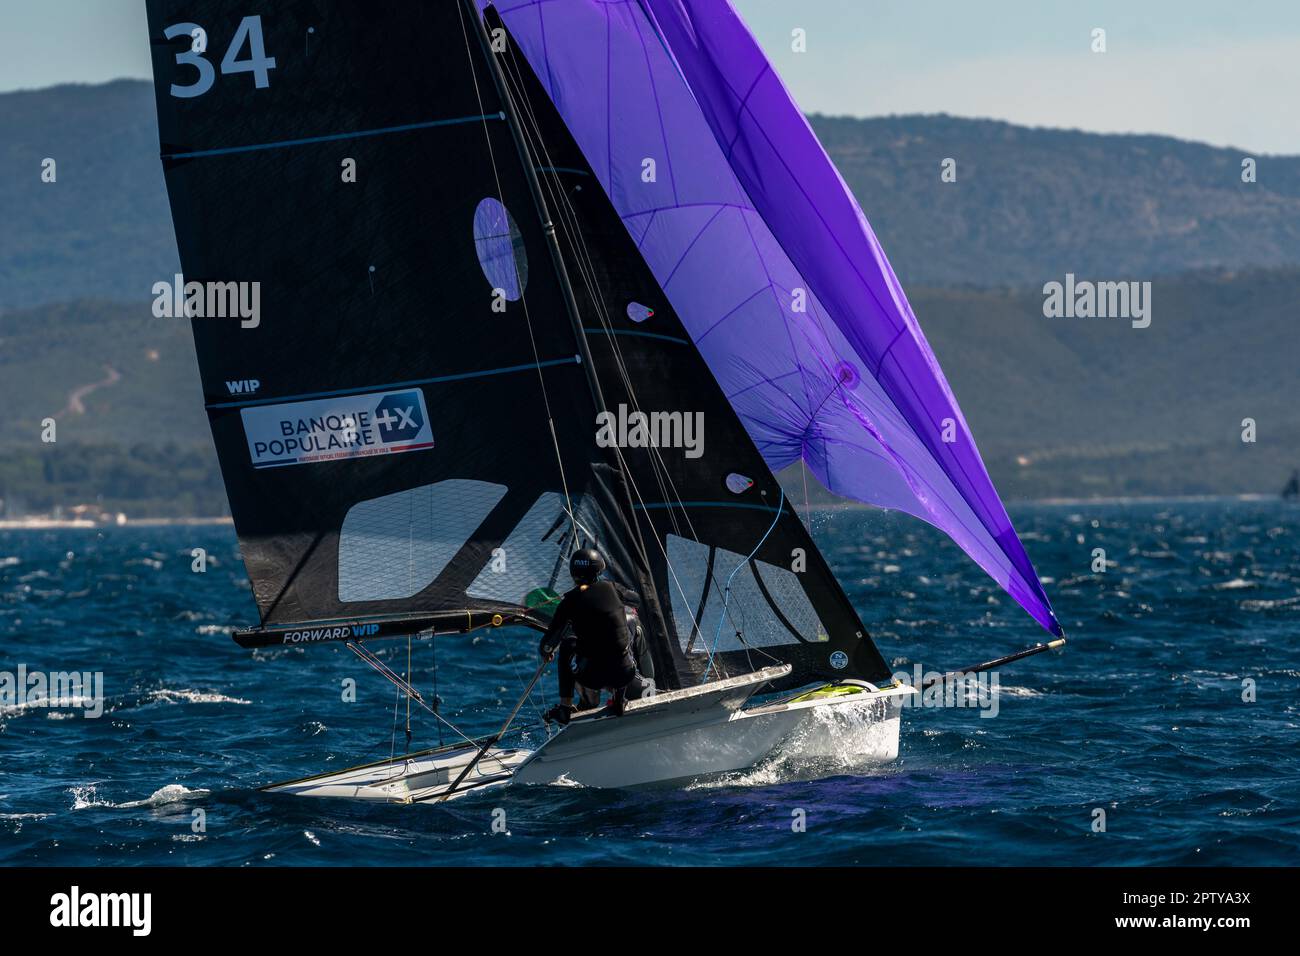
{"x": 537, "y": 277}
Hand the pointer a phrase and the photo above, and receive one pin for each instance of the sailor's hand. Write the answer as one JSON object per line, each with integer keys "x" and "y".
{"x": 547, "y": 650}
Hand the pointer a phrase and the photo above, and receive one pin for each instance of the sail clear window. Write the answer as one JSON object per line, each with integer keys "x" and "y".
{"x": 393, "y": 547}
{"x": 773, "y": 609}
{"x": 533, "y": 570}
{"x": 500, "y": 248}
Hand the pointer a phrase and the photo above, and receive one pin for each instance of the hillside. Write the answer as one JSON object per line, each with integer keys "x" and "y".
{"x": 1059, "y": 407}
{"x": 103, "y": 229}
{"x": 1032, "y": 204}
{"x": 1097, "y": 407}
{"x": 1028, "y": 204}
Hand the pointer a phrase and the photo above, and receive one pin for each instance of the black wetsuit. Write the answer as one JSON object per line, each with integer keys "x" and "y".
{"x": 603, "y": 651}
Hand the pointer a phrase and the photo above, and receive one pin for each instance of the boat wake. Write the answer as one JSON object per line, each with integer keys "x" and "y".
{"x": 85, "y": 797}
{"x": 169, "y": 696}
{"x": 836, "y": 741}
{"x": 61, "y": 708}
{"x": 75, "y": 702}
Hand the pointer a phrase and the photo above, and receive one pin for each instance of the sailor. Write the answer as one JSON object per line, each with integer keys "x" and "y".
{"x": 601, "y": 645}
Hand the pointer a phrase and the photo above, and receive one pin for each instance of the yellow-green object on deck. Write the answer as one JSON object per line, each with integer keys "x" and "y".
{"x": 829, "y": 690}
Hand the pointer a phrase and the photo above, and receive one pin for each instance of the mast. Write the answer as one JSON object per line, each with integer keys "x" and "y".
{"x": 539, "y": 201}
{"x": 707, "y": 531}
{"x": 649, "y": 595}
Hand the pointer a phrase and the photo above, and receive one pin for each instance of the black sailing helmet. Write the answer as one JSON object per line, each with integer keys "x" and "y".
{"x": 586, "y": 565}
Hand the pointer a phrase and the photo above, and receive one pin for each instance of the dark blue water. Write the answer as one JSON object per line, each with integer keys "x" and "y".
{"x": 1141, "y": 717}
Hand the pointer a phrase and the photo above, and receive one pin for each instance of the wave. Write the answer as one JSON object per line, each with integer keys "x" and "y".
{"x": 171, "y": 696}
{"x": 1019, "y": 691}
{"x": 1269, "y": 605}
{"x": 77, "y": 701}
{"x": 835, "y": 741}
{"x": 85, "y": 797}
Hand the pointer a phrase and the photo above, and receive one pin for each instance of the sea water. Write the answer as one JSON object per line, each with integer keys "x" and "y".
{"x": 1167, "y": 732}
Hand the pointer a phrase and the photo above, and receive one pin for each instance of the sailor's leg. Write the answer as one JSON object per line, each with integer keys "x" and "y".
{"x": 639, "y": 687}
{"x": 588, "y": 697}
{"x": 564, "y": 666}
{"x": 618, "y": 701}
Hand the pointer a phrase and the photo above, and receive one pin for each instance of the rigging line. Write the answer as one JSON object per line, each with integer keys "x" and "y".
{"x": 392, "y": 742}
{"x": 523, "y": 297}
{"x": 570, "y": 302}
{"x": 738, "y": 611}
{"x": 437, "y": 701}
{"x": 661, "y": 472}
{"x": 587, "y": 272}
{"x": 520, "y": 677}
{"x": 807, "y": 509}
{"x": 408, "y": 699}
{"x": 560, "y": 199}
{"x": 387, "y": 672}
{"x": 496, "y": 737}
{"x": 659, "y": 469}
{"x": 751, "y": 649}
{"x": 744, "y": 623}
{"x": 666, "y": 494}
{"x": 726, "y": 592}
{"x": 582, "y": 257}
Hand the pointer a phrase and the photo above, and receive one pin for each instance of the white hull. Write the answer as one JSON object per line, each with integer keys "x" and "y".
{"x": 412, "y": 779}
{"x": 681, "y": 735}
{"x": 662, "y": 740}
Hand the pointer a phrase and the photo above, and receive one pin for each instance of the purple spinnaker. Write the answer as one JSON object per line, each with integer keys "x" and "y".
{"x": 768, "y": 260}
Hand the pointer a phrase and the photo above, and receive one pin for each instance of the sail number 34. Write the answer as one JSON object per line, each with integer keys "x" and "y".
{"x": 249, "y": 32}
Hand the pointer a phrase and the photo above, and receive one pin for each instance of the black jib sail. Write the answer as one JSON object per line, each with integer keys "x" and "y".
{"x": 741, "y": 577}
{"x": 429, "y": 400}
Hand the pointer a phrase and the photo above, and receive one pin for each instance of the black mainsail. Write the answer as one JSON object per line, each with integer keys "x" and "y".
{"x": 408, "y": 427}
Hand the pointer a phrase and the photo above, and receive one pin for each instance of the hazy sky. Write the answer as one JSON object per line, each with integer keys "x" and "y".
{"x": 1221, "y": 72}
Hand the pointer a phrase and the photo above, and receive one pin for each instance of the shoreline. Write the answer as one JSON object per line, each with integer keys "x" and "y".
{"x": 42, "y": 523}
{"x": 59, "y": 524}
{"x": 1073, "y": 502}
